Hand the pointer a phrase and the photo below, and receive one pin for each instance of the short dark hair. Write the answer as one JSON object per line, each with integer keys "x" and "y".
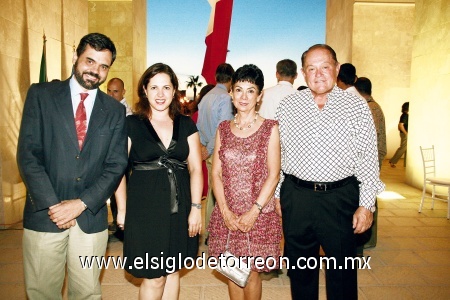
{"x": 319, "y": 46}
{"x": 249, "y": 73}
{"x": 287, "y": 68}
{"x": 97, "y": 41}
{"x": 347, "y": 74}
{"x": 405, "y": 107}
{"x": 205, "y": 90}
{"x": 224, "y": 72}
{"x": 142, "y": 107}
{"x": 364, "y": 86}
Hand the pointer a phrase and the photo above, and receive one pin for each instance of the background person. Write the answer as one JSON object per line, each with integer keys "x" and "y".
{"x": 364, "y": 87}
{"x": 71, "y": 155}
{"x": 286, "y": 74}
{"x": 215, "y": 107}
{"x": 205, "y": 90}
{"x": 403, "y": 129}
{"x": 331, "y": 176}
{"x": 163, "y": 195}
{"x": 246, "y": 170}
{"x": 194, "y": 117}
{"x": 116, "y": 89}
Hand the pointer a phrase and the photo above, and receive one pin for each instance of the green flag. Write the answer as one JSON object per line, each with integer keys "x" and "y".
{"x": 43, "y": 72}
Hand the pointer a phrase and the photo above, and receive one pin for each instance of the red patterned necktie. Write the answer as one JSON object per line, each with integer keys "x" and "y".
{"x": 80, "y": 120}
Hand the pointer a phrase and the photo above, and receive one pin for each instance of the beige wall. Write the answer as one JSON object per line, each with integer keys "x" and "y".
{"x": 430, "y": 79}
{"x": 339, "y": 28}
{"x": 139, "y": 42}
{"x": 381, "y": 50}
{"x": 376, "y": 37}
{"x": 22, "y": 23}
{"x": 125, "y": 23}
{"x": 403, "y": 46}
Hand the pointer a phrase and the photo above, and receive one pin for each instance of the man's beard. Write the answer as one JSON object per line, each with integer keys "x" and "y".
{"x": 87, "y": 84}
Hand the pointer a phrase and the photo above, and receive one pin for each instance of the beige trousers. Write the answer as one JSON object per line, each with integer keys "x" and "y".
{"x": 45, "y": 255}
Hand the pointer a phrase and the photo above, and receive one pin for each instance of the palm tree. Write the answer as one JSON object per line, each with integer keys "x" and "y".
{"x": 193, "y": 83}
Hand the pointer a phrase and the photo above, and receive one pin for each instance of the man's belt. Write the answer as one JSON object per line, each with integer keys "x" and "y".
{"x": 320, "y": 186}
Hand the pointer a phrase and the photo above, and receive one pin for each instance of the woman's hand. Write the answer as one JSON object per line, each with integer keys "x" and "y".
{"x": 230, "y": 219}
{"x": 195, "y": 221}
{"x": 120, "y": 219}
{"x": 248, "y": 219}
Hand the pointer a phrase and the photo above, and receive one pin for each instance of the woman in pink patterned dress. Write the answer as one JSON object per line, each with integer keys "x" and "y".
{"x": 245, "y": 173}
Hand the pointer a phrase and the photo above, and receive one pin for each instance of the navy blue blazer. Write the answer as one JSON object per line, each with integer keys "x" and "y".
{"x": 51, "y": 164}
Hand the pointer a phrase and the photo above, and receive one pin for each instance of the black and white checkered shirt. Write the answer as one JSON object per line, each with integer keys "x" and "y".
{"x": 330, "y": 144}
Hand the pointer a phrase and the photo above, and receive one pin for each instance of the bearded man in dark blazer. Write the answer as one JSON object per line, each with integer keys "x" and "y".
{"x": 70, "y": 168}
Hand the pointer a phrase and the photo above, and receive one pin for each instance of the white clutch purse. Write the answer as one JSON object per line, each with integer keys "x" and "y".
{"x": 234, "y": 269}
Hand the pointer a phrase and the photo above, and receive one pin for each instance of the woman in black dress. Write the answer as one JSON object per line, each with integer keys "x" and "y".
{"x": 164, "y": 187}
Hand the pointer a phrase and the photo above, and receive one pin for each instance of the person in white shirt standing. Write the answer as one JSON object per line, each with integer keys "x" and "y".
{"x": 286, "y": 74}
{"x": 329, "y": 160}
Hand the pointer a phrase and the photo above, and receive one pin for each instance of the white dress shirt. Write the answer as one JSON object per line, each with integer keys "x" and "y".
{"x": 127, "y": 108}
{"x": 272, "y": 97}
{"x": 75, "y": 90}
{"x": 354, "y": 91}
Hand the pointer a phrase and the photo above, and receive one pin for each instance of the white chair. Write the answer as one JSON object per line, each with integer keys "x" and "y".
{"x": 429, "y": 178}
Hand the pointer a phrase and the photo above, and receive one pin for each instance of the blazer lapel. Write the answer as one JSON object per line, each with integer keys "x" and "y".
{"x": 63, "y": 103}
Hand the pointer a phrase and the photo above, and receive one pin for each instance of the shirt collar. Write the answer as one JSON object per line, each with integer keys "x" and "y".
{"x": 222, "y": 86}
{"x": 282, "y": 82}
{"x": 76, "y": 89}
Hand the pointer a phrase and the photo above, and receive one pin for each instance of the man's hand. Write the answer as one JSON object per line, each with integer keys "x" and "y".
{"x": 66, "y": 211}
{"x": 68, "y": 224}
{"x": 362, "y": 220}
{"x": 204, "y": 152}
{"x": 278, "y": 206}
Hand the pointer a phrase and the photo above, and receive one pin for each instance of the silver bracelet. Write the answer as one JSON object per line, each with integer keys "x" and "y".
{"x": 196, "y": 205}
{"x": 259, "y": 206}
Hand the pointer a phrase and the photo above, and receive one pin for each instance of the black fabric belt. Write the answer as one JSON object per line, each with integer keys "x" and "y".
{"x": 171, "y": 164}
{"x": 320, "y": 186}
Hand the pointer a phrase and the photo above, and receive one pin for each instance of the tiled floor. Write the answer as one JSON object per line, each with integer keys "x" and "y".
{"x": 411, "y": 260}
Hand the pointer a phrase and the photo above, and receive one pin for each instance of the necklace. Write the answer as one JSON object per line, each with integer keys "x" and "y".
{"x": 248, "y": 126}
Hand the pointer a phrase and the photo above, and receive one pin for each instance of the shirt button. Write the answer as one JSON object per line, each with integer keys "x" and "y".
{"x": 78, "y": 179}
{"x": 77, "y": 157}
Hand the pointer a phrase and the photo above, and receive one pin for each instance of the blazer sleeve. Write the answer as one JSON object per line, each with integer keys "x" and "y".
{"x": 30, "y": 154}
{"x": 114, "y": 165}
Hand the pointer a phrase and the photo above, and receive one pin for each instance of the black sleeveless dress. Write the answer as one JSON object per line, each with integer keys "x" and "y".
{"x": 156, "y": 240}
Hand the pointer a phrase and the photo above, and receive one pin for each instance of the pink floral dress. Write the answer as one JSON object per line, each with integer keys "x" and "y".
{"x": 244, "y": 171}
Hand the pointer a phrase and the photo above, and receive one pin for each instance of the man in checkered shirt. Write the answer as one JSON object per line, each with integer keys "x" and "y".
{"x": 330, "y": 176}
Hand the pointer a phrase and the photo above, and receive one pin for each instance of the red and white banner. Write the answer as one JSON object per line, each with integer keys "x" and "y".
{"x": 217, "y": 37}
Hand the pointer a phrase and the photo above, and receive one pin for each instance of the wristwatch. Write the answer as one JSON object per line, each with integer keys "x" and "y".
{"x": 372, "y": 209}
